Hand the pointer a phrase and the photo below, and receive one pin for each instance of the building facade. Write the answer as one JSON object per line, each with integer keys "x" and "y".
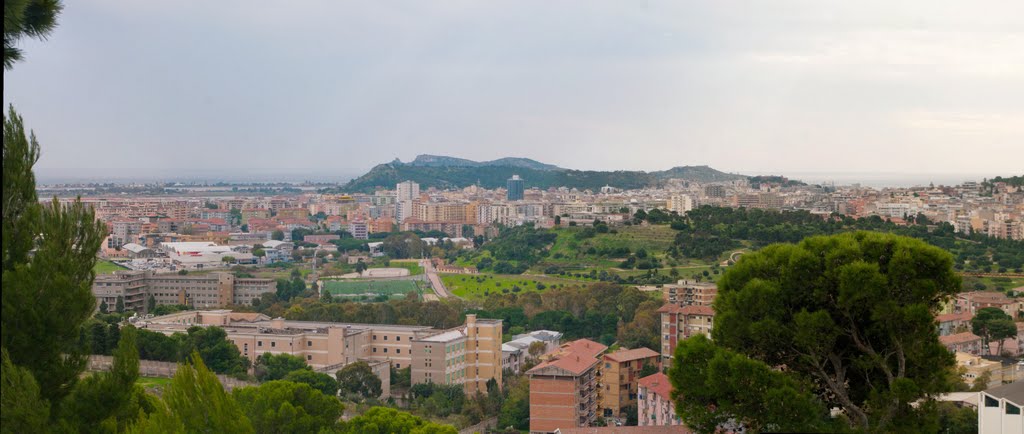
{"x": 655, "y": 406}
{"x": 204, "y": 291}
{"x": 564, "y": 387}
{"x": 620, "y": 372}
{"x": 469, "y": 354}
{"x": 516, "y": 188}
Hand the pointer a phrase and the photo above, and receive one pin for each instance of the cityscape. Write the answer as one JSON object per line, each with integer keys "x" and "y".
{"x": 574, "y": 283}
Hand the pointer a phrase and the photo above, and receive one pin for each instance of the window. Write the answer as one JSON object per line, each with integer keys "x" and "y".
{"x": 398, "y": 351}
{"x": 259, "y": 343}
{"x": 385, "y": 337}
{"x": 991, "y": 402}
{"x": 385, "y": 350}
{"x": 1012, "y": 409}
{"x": 374, "y": 337}
{"x": 398, "y": 338}
{"x": 273, "y": 344}
{"x": 375, "y": 350}
{"x": 309, "y": 343}
{"x": 398, "y": 366}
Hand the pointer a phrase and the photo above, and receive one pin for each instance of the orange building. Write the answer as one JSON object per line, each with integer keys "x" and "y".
{"x": 619, "y": 374}
{"x": 564, "y": 389}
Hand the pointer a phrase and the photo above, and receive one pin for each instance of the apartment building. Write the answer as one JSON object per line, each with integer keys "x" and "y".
{"x": 469, "y": 354}
{"x": 688, "y": 292}
{"x": 974, "y": 300}
{"x": 620, "y": 372}
{"x": 655, "y": 406}
{"x": 564, "y": 387}
{"x": 681, "y": 322}
{"x": 965, "y": 342}
{"x": 206, "y": 290}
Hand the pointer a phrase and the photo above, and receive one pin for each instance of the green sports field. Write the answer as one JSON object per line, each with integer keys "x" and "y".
{"x": 370, "y": 288}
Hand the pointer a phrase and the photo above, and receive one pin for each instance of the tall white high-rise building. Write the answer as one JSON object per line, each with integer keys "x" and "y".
{"x": 408, "y": 191}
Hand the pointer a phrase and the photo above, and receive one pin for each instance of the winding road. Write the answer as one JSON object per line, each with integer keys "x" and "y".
{"x": 435, "y": 280}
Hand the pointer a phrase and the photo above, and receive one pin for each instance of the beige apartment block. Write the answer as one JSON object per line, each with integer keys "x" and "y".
{"x": 469, "y": 354}
{"x": 205, "y": 291}
{"x": 620, "y": 372}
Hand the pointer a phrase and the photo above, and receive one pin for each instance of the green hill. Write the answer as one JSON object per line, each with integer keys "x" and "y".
{"x": 449, "y": 172}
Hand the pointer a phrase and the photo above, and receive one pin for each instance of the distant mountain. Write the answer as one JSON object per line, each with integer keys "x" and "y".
{"x": 426, "y": 160}
{"x": 450, "y": 172}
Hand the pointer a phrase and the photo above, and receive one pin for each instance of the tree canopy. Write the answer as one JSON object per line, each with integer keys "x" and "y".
{"x": 287, "y": 407}
{"x": 846, "y": 318}
{"x": 27, "y": 19}
{"x": 358, "y": 378}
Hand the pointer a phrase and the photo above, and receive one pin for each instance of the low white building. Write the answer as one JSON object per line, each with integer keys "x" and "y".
{"x": 999, "y": 409}
{"x": 515, "y": 352}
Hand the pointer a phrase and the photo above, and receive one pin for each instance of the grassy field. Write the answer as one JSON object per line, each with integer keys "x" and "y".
{"x": 106, "y": 267}
{"x": 370, "y": 288}
{"x": 154, "y": 382}
{"x": 480, "y": 286}
{"x": 993, "y": 283}
{"x": 570, "y": 252}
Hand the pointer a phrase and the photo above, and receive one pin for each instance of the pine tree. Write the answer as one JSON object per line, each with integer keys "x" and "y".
{"x": 119, "y": 305}
{"x": 47, "y": 294}
{"x": 27, "y": 18}
{"x": 197, "y": 398}
{"x": 150, "y": 304}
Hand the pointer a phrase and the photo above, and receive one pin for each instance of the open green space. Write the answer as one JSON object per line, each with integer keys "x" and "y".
{"x": 106, "y": 267}
{"x": 359, "y": 288}
{"x": 1001, "y": 284}
{"x": 574, "y": 249}
{"x": 479, "y": 286}
{"x": 413, "y": 266}
{"x": 154, "y": 382}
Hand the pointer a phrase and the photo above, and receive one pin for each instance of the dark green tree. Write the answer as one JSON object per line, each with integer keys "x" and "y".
{"x": 212, "y": 345}
{"x": 277, "y": 235}
{"x": 276, "y": 366}
{"x": 119, "y": 305}
{"x": 49, "y": 251}
{"x": 849, "y": 316}
{"x": 24, "y": 410}
{"x": 27, "y": 19}
{"x": 515, "y": 411}
{"x": 197, "y": 400}
{"x": 287, "y": 407}
{"x": 994, "y": 325}
{"x": 381, "y": 420}
{"x": 150, "y": 304}
{"x": 108, "y": 401}
{"x": 317, "y": 380}
{"x": 357, "y": 378}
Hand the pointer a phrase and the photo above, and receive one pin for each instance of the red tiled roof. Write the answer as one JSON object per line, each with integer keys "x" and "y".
{"x": 575, "y": 363}
{"x": 658, "y": 384}
{"x": 584, "y": 347}
{"x": 959, "y": 338}
{"x": 634, "y": 354}
{"x": 962, "y": 316}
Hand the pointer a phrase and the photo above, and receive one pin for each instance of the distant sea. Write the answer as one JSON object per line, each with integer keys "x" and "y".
{"x": 211, "y": 176}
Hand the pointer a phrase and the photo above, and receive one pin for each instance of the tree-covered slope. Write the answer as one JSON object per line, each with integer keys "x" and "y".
{"x": 449, "y": 172}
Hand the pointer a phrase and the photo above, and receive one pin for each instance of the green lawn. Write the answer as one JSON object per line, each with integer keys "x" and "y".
{"x": 106, "y": 267}
{"x": 479, "y": 286}
{"x": 154, "y": 382}
{"x": 992, "y": 283}
{"x": 359, "y": 288}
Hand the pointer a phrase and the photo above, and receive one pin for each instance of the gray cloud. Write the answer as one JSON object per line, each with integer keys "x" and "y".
{"x": 775, "y": 86}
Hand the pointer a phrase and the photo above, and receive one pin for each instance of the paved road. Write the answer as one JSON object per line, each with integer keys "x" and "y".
{"x": 435, "y": 280}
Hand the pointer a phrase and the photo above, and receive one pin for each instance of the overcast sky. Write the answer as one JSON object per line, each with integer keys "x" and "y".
{"x": 780, "y": 86}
